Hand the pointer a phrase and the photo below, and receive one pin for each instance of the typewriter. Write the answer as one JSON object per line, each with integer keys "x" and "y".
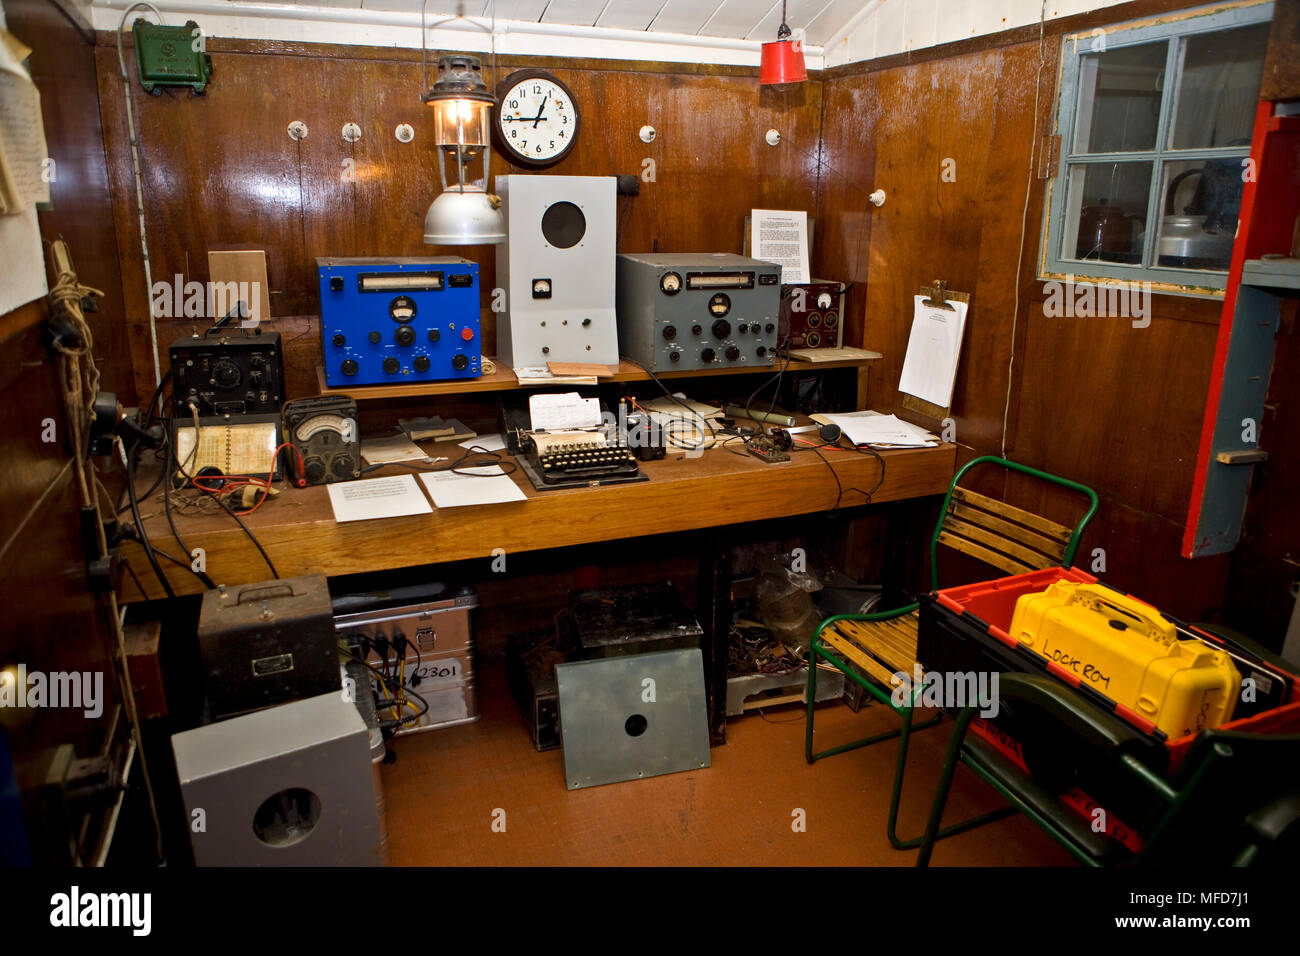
{"x": 571, "y": 457}
{"x": 565, "y": 459}
{"x": 576, "y": 458}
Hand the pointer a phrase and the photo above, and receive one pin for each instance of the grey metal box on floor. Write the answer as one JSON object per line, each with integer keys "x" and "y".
{"x": 291, "y": 785}
{"x": 632, "y": 716}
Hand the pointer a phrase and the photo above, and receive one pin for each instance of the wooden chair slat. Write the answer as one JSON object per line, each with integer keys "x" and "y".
{"x": 841, "y": 645}
{"x": 992, "y": 558}
{"x": 1019, "y": 515}
{"x": 1007, "y": 529}
{"x": 1031, "y": 557}
{"x": 887, "y": 640}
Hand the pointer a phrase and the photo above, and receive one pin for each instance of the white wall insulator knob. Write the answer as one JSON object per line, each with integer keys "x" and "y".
{"x": 297, "y": 130}
{"x": 647, "y": 134}
{"x": 773, "y": 137}
{"x": 877, "y": 198}
{"x": 351, "y": 132}
{"x": 404, "y": 133}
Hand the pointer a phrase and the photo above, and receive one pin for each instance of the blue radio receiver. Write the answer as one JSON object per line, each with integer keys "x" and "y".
{"x": 398, "y": 321}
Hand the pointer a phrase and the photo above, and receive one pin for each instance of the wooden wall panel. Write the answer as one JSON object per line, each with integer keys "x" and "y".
{"x": 1095, "y": 400}
{"x": 220, "y": 168}
{"x": 52, "y": 622}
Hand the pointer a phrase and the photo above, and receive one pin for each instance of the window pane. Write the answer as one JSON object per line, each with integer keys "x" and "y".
{"x": 1119, "y": 99}
{"x": 1219, "y": 88}
{"x": 1107, "y": 211}
{"x": 1199, "y": 207}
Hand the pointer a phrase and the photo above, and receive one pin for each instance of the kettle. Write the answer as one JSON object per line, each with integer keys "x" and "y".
{"x": 1201, "y": 237}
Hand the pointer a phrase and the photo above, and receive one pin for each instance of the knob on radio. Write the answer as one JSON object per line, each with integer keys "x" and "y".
{"x": 721, "y": 329}
{"x": 391, "y": 365}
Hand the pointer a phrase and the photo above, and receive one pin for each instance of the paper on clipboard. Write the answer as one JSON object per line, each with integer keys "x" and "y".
{"x": 933, "y": 348}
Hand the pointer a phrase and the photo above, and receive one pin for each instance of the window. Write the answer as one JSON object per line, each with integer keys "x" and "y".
{"x": 1155, "y": 122}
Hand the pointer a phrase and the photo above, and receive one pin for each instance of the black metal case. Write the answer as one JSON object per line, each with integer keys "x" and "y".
{"x": 268, "y": 643}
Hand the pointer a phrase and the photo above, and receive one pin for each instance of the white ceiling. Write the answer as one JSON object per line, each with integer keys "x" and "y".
{"x": 737, "y": 19}
{"x": 693, "y": 31}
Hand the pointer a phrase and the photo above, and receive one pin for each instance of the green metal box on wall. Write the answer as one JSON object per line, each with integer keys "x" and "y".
{"x": 171, "y": 56}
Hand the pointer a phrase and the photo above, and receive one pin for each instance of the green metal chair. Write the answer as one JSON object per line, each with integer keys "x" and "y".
{"x": 1234, "y": 799}
{"x": 870, "y": 648}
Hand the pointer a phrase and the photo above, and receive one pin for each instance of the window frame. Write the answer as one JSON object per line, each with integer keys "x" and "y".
{"x": 1203, "y": 283}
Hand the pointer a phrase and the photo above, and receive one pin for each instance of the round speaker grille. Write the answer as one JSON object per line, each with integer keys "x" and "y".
{"x": 563, "y": 225}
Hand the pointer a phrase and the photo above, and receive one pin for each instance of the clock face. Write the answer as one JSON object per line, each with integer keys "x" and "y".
{"x": 537, "y": 119}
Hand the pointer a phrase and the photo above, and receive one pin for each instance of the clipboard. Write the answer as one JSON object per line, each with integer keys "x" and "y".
{"x": 937, "y": 295}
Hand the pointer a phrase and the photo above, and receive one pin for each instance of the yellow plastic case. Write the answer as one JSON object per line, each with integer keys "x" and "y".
{"x": 1125, "y": 650}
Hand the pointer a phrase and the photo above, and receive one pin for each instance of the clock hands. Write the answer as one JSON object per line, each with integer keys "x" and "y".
{"x": 541, "y": 114}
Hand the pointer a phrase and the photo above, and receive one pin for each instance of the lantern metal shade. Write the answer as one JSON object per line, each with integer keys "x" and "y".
{"x": 464, "y": 218}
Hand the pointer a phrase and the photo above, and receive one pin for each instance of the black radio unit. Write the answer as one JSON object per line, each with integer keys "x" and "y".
{"x": 236, "y": 373}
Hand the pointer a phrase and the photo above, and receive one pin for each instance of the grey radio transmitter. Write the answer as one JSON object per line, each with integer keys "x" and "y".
{"x": 698, "y": 311}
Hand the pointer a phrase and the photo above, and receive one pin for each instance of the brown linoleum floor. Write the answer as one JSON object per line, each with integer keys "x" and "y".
{"x": 444, "y": 789}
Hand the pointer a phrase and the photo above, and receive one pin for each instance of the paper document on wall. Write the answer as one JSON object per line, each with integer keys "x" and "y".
{"x": 930, "y": 366}
{"x": 781, "y": 236}
{"x": 24, "y": 174}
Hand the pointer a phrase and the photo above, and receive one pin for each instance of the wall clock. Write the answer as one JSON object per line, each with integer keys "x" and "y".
{"x": 536, "y": 122}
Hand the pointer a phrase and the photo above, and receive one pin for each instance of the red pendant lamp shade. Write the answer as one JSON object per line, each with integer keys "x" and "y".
{"x": 782, "y": 58}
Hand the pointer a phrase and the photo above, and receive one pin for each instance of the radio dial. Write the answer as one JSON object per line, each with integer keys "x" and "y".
{"x": 696, "y": 329}
{"x": 460, "y": 363}
{"x": 315, "y": 469}
{"x": 339, "y": 339}
{"x": 674, "y": 356}
{"x": 349, "y": 366}
{"x": 707, "y": 355}
{"x": 391, "y": 365}
{"x": 421, "y": 363}
{"x": 742, "y": 328}
{"x": 225, "y": 374}
{"x": 375, "y": 337}
{"x": 434, "y": 335}
{"x": 405, "y": 335}
{"x": 733, "y": 353}
{"x": 721, "y": 329}
{"x": 670, "y": 332}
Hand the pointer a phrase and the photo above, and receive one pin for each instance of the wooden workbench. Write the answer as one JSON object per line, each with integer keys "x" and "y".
{"x": 719, "y": 488}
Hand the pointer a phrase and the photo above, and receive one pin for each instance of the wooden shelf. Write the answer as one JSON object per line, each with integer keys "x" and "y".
{"x": 503, "y": 379}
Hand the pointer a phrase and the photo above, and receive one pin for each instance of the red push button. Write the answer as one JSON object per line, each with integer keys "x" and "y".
{"x": 467, "y": 334}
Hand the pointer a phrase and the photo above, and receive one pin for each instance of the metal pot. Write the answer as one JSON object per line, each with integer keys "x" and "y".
{"x": 1201, "y": 240}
